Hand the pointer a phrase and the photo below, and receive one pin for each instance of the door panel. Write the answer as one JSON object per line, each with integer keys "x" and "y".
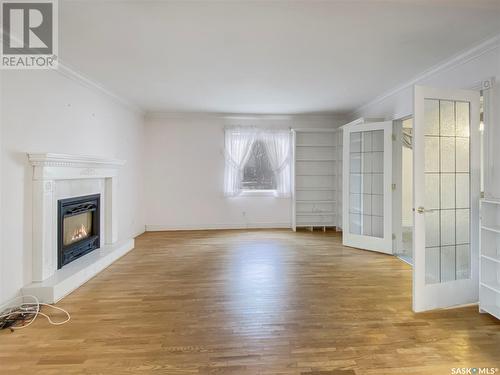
{"x": 446, "y": 197}
{"x": 367, "y": 183}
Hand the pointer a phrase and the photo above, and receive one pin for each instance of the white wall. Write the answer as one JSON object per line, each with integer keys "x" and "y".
{"x": 44, "y": 111}
{"x": 185, "y": 173}
{"x": 463, "y": 72}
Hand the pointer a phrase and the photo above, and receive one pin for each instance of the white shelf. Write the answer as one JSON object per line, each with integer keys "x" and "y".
{"x": 489, "y": 293}
{"x": 326, "y": 225}
{"x": 490, "y": 258}
{"x": 491, "y": 309}
{"x": 495, "y": 287}
{"x": 491, "y": 228}
{"x": 490, "y": 201}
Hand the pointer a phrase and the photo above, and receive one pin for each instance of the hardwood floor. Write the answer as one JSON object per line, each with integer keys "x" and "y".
{"x": 251, "y": 302}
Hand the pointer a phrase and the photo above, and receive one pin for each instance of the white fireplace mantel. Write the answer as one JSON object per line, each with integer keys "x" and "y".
{"x": 50, "y": 172}
{"x": 49, "y": 166}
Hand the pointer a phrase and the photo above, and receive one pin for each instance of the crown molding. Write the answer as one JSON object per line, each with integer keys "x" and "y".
{"x": 67, "y": 71}
{"x": 153, "y": 115}
{"x": 453, "y": 62}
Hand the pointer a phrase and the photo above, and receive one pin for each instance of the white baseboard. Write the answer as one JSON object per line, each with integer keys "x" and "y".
{"x": 166, "y": 227}
{"x": 138, "y": 233}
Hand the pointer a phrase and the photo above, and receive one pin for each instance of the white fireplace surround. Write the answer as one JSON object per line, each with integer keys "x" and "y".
{"x": 59, "y": 176}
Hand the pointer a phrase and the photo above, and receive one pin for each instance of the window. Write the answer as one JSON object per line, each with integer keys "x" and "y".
{"x": 257, "y": 172}
{"x": 257, "y": 159}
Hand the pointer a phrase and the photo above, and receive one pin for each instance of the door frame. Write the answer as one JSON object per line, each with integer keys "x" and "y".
{"x": 457, "y": 292}
{"x": 384, "y": 244}
{"x": 397, "y": 187}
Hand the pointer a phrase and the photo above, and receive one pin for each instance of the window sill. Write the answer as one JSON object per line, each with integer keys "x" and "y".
{"x": 258, "y": 193}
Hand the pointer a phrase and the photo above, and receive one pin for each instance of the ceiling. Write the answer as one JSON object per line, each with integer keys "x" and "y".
{"x": 264, "y": 56}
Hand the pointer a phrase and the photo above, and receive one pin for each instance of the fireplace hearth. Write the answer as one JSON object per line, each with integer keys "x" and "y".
{"x": 78, "y": 228}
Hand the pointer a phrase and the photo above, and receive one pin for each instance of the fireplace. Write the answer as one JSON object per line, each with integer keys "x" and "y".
{"x": 78, "y": 227}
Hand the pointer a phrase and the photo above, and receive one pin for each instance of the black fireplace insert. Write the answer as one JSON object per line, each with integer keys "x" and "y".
{"x": 78, "y": 226}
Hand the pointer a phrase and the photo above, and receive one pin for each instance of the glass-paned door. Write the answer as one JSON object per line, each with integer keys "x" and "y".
{"x": 367, "y": 167}
{"x": 446, "y": 197}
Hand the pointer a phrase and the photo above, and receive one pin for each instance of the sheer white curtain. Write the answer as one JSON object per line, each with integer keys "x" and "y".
{"x": 238, "y": 145}
{"x": 278, "y": 151}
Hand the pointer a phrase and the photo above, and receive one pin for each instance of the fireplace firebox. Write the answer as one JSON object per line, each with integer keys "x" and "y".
{"x": 78, "y": 228}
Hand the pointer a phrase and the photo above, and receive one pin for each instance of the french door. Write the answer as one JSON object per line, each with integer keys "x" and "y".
{"x": 446, "y": 197}
{"x": 367, "y": 178}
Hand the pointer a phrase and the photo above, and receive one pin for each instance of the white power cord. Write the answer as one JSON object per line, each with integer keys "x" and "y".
{"x": 32, "y": 308}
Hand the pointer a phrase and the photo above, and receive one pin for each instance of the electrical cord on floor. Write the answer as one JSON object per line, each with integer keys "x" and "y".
{"x": 23, "y": 314}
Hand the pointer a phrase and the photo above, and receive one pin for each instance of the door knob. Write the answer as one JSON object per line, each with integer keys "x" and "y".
{"x": 420, "y": 210}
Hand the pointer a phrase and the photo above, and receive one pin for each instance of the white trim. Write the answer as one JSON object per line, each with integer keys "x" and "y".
{"x": 158, "y": 115}
{"x": 453, "y": 62}
{"x": 259, "y": 193}
{"x": 166, "y": 227}
{"x": 68, "y": 160}
{"x": 404, "y": 260}
{"x": 314, "y": 130}
{"x": 66, "y": 71}
{"x": 139, "y": 232}
{"x": 360, "y": 121}
{"x": 292, "y": 180}
{"x": 50, "y": 166}
{"x": 485, "y": 84}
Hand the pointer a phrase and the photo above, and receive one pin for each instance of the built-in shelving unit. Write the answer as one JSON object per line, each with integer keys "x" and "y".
{"x": 315, "y": 175}
{"x": 489, "y": 286}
